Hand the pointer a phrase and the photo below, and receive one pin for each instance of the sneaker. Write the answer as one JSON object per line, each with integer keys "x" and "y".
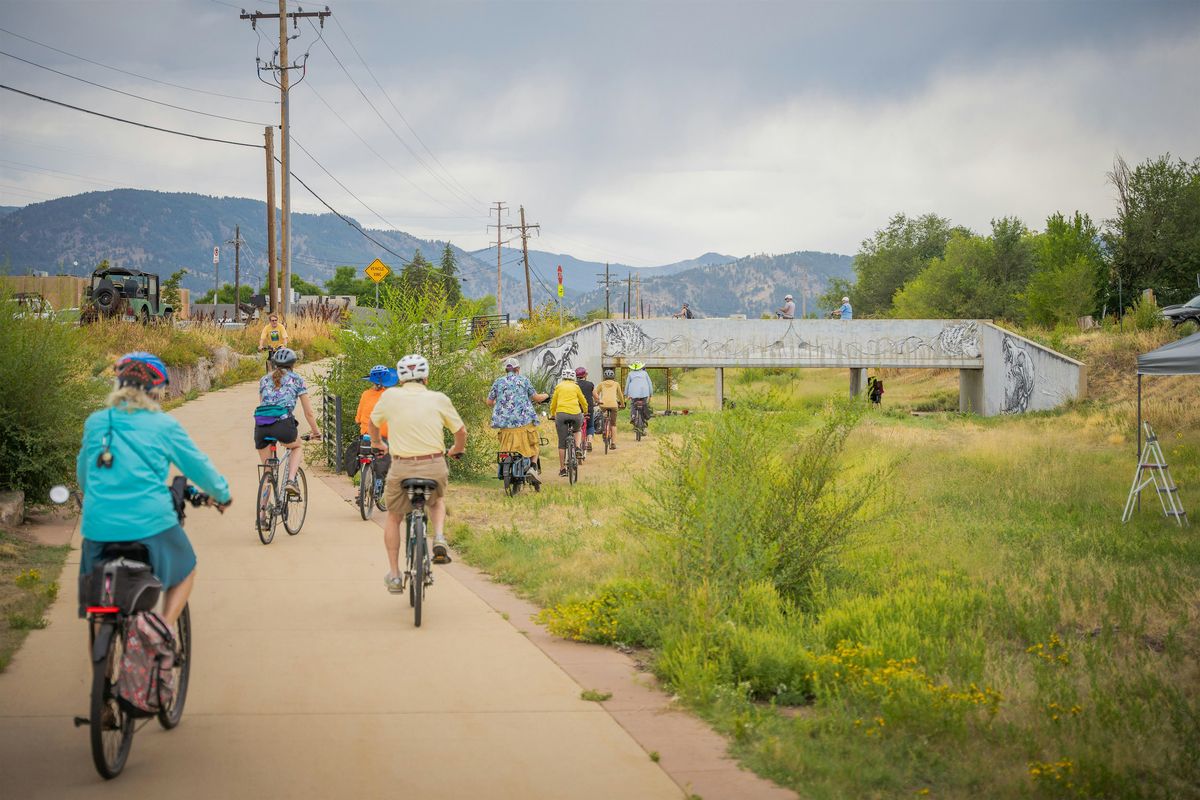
{"x": 562, "y": 473}
{"x": 292, "y": 490}
{"x": 612, "y": 445}
{"x": 441, "y": 552}
{"x": 394, "y": 583}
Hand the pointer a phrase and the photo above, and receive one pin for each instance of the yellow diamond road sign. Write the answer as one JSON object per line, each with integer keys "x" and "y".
{"x": 377, "y": 270}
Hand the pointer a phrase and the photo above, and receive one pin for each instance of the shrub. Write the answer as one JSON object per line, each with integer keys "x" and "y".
{"x": 1145, "y": 315}
{"x": 543, "y": 325}
{"x": 47, "y": 395}
{"x": 421, "y": 323}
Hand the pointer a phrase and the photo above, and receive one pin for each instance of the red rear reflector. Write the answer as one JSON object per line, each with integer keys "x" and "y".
{"x": 102, "y": 609}
{"x": 364, "y": 461}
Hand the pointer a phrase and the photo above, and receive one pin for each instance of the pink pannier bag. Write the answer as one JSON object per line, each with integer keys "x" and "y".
{"x": 147, "y": 680}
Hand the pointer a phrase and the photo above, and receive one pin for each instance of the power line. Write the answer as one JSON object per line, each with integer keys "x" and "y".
{"x": 388, "y": 125}
{"x": 128, "y": 121}
{"x": 401, "y": 116}
{"x": 128, "y": 94}
{"x": 134, "y": 74}
{"x": 344, "y": 187}
{"x": 23, "y": 167}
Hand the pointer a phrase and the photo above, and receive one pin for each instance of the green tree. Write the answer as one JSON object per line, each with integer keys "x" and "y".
{"x": 952, "y": 286}
{"x": 226, "y": 294}
{"x": 893, "y": 256}
{"x": 417, "y": 274}
{"x": 170, "y": 288}
{"x": 1069, "y": 270}
{"x": 449, "y": 270}
{"x": 346, "y": 281}
{"x": 1154, "y": 240}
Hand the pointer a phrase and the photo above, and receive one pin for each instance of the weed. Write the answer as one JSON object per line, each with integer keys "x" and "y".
{"x": 594, "y": 696}
{"x": 655, "y": 757}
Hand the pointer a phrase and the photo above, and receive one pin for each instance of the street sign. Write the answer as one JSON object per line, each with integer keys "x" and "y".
{"x": 560, "y": 289}
{"x": 377, "y": 270}
{"x": 216, "y": 254}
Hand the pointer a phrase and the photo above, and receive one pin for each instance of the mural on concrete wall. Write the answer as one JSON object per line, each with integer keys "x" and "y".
{"x": 958, "y": 340}
{"x": 551, "y": 359}
{"x": 1019, "y": 376}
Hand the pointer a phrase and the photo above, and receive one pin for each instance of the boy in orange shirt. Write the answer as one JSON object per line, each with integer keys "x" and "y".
{"x": 381, "y": 378}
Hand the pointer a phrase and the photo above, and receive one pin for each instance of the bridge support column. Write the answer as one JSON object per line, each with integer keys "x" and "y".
{"x": 970, "y": 391}
{"x": 858, "y": 380}
{"x": 719, "y": 386}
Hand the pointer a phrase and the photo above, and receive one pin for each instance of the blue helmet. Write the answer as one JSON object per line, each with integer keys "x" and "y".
{"x": 141, "y": 369}
{"x": 383, "y": 375}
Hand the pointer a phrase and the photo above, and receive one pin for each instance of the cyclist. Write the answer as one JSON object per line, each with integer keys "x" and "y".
{"x": 274, "y": 335}
{"x": 588, "y": 388}
{"x": 128, "y": 449}
{"x": 513, "y": 416}
{"x": 610, "y": 397}
{"x": 788, "y": 311}
{"x": 278, "y": 393}
{"x": 638, "y": 389}
{"x": 567, "y": 404}
{"x": 381, "y": 377}
{"x": 416, "y": 417}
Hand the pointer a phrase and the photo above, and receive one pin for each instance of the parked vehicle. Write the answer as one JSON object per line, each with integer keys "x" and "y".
{"x": 125, "y": 293}
{"x": 1179, "y": 314}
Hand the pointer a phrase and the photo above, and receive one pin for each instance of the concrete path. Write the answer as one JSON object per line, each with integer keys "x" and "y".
{"x": 309, "y": 679}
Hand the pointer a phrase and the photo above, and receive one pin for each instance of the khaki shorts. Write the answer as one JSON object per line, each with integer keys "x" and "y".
{"x": 396, "y": 497}
{"x": 525, "y": 441}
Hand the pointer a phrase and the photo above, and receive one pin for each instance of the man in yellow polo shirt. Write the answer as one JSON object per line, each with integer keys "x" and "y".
{"x": 415, "y": 417}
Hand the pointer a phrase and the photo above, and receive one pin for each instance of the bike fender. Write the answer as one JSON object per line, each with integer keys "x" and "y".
{"x": 103, "y": 639}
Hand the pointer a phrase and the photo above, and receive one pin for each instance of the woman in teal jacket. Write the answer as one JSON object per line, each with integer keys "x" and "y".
{"x": 128, "y": 449}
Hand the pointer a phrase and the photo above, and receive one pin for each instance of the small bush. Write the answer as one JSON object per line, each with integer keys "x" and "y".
{"x": 1145, "y": 315}
{"x": 48, "y": 392}
{"x": 543, "y": 325}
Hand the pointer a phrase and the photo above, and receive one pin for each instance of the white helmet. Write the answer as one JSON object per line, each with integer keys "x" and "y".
{"x": 568, "y": 374}
{"x": 845, "y": 299}
{"x": 511, "y": 364}
{"x": 412, "y": 368}
{"x": 787, "y": 297}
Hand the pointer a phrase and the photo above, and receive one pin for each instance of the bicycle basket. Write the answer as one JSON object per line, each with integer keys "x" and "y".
{"x": 120, "y": 583}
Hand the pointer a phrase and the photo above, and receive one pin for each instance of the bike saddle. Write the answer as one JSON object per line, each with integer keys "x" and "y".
{"x": 135, "y": 551}
{"x": 424, "y": 484}
{"x": 270, "y": 439}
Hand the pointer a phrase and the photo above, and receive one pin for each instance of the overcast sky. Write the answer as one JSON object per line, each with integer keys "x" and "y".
{"x": 643, "y": 132}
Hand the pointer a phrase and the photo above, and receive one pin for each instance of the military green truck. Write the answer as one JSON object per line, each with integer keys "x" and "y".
{"x": 117, "y": 292}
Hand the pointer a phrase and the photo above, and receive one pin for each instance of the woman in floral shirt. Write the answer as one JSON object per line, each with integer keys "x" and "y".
{"x": 278, "y": 394}
{"x": 512, "y": 397}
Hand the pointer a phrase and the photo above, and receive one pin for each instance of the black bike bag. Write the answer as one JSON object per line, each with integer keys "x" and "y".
{"x": 121, "y": 584}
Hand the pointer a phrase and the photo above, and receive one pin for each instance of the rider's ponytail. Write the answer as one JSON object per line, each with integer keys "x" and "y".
{"x": 277, "y": 376}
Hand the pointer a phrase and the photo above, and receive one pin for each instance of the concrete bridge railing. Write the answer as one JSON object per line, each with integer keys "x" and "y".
{"x": 1000, "y": 372}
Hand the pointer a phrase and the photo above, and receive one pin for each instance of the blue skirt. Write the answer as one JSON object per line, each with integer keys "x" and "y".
{"x": 171, "y": 555}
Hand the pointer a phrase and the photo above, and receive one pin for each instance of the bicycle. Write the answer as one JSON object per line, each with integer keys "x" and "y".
{"x": 637, "y": 417}
{"x": 571, "y": 457}
{"x": 274, "y": 503}
{"x": 126, "y": 587}
{"x": 270, "y": 352}
{"x": 418, "y": 566}
{"x": 607, "y": 430}
{"x": 370, "y": 485}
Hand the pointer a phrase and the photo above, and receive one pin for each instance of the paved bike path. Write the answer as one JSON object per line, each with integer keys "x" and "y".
{"x": 309, "y": 679}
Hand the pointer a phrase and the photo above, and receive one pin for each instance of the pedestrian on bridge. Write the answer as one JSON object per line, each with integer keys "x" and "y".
{"x": 685, "y": 313}
{"x": 845, "y": 312}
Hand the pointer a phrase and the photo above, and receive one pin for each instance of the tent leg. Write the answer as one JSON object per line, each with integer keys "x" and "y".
{"x": 1139, "y": 436}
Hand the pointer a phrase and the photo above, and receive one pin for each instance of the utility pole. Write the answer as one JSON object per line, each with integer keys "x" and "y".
{"x": 641, "y": 310}
{"x": 525, "y": 250}
{"x": 272, "y": 278}
{"x": 607, "y": 283}
{"x": 629, "y": 296}
{"x": 237, "y": 242}
{"x": 499, "y": 207}
{"x": 282, "y": 67}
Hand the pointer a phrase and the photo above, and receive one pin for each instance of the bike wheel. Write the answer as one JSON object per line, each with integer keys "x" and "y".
{"x": 265, "y": 519}
{"x": 379, "y": 501}
{"x": 366, "y": 491}
{"x": 417, "y": 587}
{"x": 111, "y": 724}
{"x": 169, "y": 717}
{"x": 295, "y": 509}
{"x": 572, "y": 464}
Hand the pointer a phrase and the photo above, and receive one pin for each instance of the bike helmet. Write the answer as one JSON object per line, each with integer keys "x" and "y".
{"x": 608, "y": 373}
{"x": 637, "y": 365}
{"x": 511, "y": 365}
{"x": 568, "y": 374}
{"x": 787, "y": 297}
{"x": 412, "y": 367}
{"x": 383, "y": 375}
{"x": 581, "y": 372}
{"x": 141, "y": 369}
{"x": 845, "y": 299}
{"x": 284, "y": 357}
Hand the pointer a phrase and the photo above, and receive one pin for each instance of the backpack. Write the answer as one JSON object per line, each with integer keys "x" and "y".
{"x": 147, "y": 682}
{"x": 688, "y": 313}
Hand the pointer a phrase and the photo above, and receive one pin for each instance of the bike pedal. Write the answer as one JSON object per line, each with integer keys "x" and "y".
{"x": 81, "y": 721}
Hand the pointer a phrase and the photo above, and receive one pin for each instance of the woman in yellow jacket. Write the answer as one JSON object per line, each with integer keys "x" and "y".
{"x": 567, "y": 404}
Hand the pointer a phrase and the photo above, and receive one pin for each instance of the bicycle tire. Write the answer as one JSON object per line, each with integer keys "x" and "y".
{"x": 366, "y": 492}
{"x": 170, "y": 717}
{"x": 265, "y": 519}
{"x": 418, "y": 569}
{"x": 110, "y": 744}
{"x": 572, "y": 463}
{"x": 294, "y": 511}
{"x": 380, "y": 503}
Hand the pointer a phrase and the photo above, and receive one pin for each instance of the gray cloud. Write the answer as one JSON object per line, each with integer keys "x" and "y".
{"x": 637, "y": 131}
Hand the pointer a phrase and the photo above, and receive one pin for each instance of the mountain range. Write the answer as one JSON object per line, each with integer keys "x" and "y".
{"x": 162, "y": 232}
